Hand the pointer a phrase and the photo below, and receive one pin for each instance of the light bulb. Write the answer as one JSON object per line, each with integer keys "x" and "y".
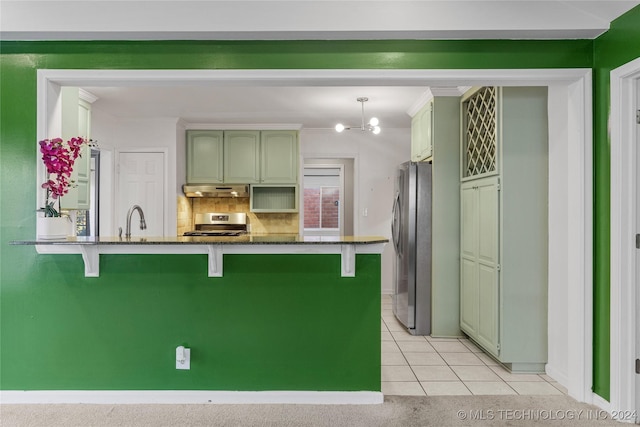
{"x": 374, "y": 121}
{"x": 376, "y": 130}
{"x": 339, "y": 127}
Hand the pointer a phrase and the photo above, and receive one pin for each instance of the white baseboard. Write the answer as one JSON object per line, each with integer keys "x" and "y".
{"x": 191, "y": 397}
{"x": 600, "y": 402}
{"x": 560, "y": 377}
{"x": 617, "y": 415}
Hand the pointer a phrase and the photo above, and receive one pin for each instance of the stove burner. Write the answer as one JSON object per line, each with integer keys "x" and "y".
{"x": 213, "y": 233}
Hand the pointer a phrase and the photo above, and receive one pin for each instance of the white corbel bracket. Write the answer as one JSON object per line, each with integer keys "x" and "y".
{"x": 348, "y": 260}
{"x": 91, "y": 258}
{"x": 215, "y": 260}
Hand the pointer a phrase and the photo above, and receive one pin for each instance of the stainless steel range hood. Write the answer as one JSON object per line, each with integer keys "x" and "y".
{"x": 212, "y": 190}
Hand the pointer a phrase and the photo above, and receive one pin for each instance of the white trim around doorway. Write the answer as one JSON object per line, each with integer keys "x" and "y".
{"x": 575, "y": 169}
{"x": 624, "y": 183}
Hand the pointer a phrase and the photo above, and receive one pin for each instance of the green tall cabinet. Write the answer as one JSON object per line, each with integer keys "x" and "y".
{"x": 444, "y": 150}
{"x": 504, "y": 224}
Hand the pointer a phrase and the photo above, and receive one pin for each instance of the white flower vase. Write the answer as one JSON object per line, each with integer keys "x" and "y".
{"x": 53, "y": 228}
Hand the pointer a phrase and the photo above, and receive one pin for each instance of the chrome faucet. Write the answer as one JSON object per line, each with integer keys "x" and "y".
{"x": 143, "y": 224}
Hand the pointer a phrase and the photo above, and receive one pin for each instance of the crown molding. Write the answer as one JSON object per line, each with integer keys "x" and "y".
{"x": 432, "y": 92}
{"x": 426, "y": 96}
{"x": 182, "y": 123}
{"x": 450, "y": 91}
{"x": 244, "y": 126}
{"x": 87, "y": 96}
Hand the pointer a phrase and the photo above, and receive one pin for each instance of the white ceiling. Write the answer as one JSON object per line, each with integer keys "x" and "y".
{"x": 307, "y": 19}
{"x": 309, "y": 107}
{"x": 319, "y": 107}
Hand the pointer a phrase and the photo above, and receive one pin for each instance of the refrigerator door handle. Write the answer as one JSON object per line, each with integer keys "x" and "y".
{"x": 395, "y": 223}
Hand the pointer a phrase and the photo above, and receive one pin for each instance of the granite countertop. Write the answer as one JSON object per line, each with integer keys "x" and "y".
{"x": 264, "y": 239}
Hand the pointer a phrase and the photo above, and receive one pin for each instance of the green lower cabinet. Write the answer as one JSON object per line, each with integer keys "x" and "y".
{"x": 480, "y": 262}
{"x": 468, "y": 297}
{"x": 488, "y": 308}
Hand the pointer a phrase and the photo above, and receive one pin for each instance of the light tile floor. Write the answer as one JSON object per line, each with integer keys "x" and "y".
{"x": 419, "y": 366}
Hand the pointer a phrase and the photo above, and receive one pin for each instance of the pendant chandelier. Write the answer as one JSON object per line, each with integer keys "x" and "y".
{"x": 371, "y": 126}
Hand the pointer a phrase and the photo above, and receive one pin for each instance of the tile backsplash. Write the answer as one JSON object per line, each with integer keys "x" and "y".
{"x": 185, "y": 215}
{"x": 260, "y": 222}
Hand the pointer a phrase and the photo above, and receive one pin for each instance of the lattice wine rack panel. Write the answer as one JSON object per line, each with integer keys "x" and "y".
{"x": 480, "y": 135}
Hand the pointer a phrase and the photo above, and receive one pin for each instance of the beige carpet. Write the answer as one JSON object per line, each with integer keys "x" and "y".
{"x": 398, "y": 411}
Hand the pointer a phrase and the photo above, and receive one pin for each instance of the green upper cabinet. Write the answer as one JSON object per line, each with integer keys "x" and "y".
{"x": 76, "y": 121}
{"x": 278, "y": 157}
{"x": 422, "y": 133}
{"x": 204, "y": 156}
{"x": 241, "y": 156}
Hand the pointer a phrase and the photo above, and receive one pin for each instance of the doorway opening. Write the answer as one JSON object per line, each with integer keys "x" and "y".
{"x": 322, "y": 194}
{"x": 572, "y": 163}
{"x": 328, "y": 197}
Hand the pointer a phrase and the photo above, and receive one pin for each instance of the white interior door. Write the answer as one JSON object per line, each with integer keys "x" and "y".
{"x": 141, "y": 182}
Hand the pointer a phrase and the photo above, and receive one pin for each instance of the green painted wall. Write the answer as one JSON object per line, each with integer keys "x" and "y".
{"x": 123, "y": 327}
{"x": 618, "y": 46}
{"x": 274, "y": 322}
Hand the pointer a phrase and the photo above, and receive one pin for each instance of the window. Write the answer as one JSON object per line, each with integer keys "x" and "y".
{"x": 322, "y": 200}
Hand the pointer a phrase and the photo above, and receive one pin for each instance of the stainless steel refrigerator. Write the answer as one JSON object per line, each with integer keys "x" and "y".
{"x": 411, "y": 232}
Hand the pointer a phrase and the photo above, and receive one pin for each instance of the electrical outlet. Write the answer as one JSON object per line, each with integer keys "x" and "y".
{"x": 183, "y": 358}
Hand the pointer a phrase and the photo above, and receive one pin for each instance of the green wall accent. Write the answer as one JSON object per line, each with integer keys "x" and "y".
{"x": 302, "y": 54}
{"x": 616, "y": 47}
{"x": 143, "y": 306}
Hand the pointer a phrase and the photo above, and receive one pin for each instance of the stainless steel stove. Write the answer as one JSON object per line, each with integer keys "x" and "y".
{"x": 219, "y": 224}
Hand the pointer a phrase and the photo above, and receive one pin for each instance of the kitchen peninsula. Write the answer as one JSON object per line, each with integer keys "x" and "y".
{"x": 290, "y": 313}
